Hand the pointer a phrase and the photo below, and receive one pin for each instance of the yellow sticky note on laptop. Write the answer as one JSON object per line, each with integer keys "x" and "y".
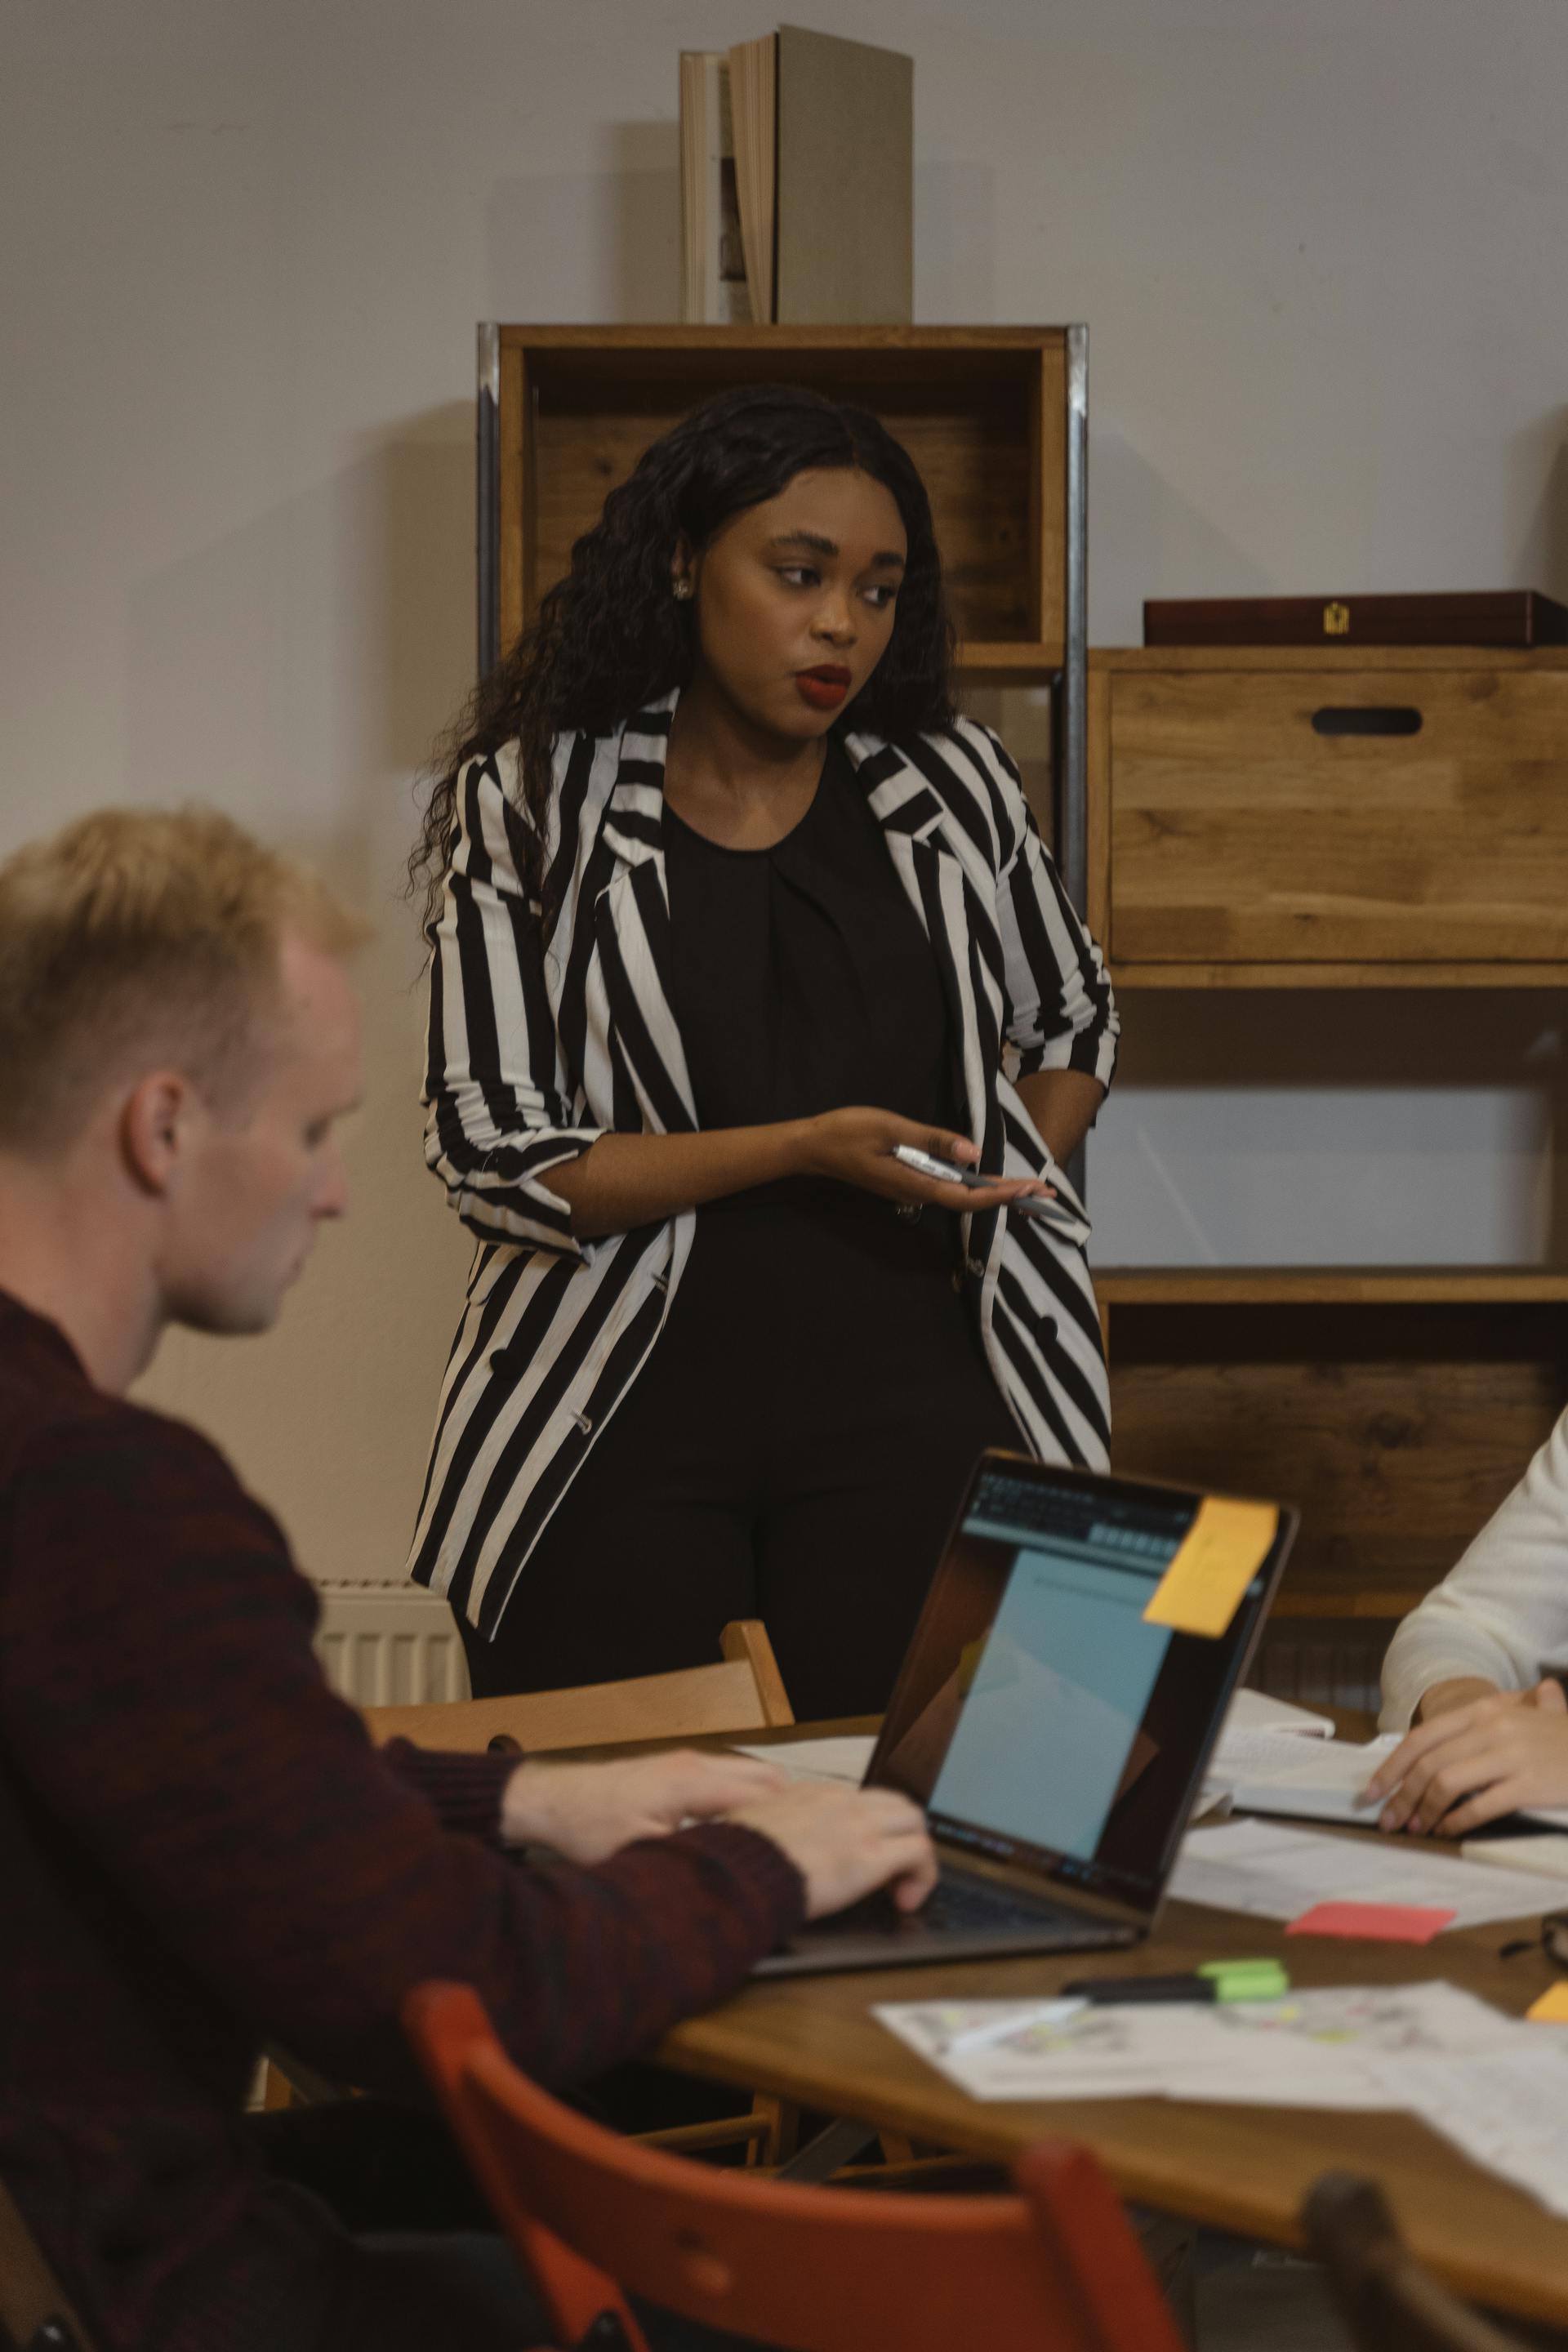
{"x": 1215, "y": 1561}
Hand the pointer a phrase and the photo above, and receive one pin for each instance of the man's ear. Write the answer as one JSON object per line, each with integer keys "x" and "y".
{"x": 154, "y": 1129}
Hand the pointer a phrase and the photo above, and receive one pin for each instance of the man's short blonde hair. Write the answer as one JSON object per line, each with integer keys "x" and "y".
{"x": 139, "y": 940}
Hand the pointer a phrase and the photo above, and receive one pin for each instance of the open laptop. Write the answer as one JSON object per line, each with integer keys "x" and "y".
{"x": 1057, "y": 1741}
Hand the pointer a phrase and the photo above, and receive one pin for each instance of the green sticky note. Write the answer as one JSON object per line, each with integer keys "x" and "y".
{"x": 1247, "y": 1979}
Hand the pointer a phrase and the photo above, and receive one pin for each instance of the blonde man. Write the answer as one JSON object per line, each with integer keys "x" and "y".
{"x": 199, "y": 1847}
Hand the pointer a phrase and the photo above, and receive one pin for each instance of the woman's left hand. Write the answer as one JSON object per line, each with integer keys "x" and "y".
{"x": 1469, "y": 1765}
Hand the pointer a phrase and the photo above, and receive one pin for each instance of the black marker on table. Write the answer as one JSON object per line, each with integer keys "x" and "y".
{"x": 1216, "y": 1981}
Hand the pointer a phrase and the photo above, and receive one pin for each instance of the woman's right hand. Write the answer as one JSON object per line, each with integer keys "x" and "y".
{"x": 855, "y": 1146}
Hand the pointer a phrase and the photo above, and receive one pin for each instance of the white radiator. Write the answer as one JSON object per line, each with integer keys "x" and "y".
{"x": 389, "y": 1645}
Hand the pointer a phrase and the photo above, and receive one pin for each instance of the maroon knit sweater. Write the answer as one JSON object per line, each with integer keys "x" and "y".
{"x": 200, "y": 1850}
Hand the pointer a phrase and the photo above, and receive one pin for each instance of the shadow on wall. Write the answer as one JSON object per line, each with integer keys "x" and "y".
{"x": 413, "y": 548}
{"x": 1163, "y": 545}
{"x": 642, "y": 168}
{"x": 956, "y": 244}
{"x": 295, "y": 673}
{"x": 1543, "y": 556}
{"x": 611, "y": 233}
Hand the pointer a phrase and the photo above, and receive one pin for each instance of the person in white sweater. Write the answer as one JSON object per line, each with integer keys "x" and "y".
{"x": 1469, "y": 1670}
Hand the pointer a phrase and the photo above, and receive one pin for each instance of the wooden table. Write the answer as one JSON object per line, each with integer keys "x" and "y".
{"x": 1243, "y": 2168}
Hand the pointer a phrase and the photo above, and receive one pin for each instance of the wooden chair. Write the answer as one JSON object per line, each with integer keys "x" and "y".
{"x": 1054, "y": 2268}
{"x": 1389, "y": 2302}
{"x": 36, "y": 2315}
{"x": 743, "y": 1693}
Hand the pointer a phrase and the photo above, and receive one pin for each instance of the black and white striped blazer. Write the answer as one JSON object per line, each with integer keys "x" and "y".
{"x": 537, "y": 1047}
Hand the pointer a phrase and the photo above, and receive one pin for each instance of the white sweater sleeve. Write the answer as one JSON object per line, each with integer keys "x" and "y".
{"x": 1501, "y": 1613}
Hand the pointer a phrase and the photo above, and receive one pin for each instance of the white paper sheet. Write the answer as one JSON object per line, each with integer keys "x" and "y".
{"x": 1507, "y": 2111}
{"x": 1310, "y": 2049}
{"x": 1544, "y": 1857}
{"x": 1251, "y": 1713}
{"x": 1270, "y": 1872}
{"x": 1495, "y": 2086}
{"x": 843, "y": 1759}
{"x": 1252, "y": 1710}
{"x": 1246, "y": 1749}
{"x": 847, "y": 1757}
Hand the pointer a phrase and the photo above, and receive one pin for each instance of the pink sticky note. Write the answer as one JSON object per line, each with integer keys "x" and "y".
{"x": 1383, "y": 1923}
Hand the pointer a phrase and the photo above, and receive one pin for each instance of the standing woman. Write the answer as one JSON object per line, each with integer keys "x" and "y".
{"x": 725, "y": 903}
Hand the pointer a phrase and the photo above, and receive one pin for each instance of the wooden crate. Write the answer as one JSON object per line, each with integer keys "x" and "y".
{"x": 1396, "y": 1411}
{"x": 1265, "y": 819}
{"x": 982, "y": 412}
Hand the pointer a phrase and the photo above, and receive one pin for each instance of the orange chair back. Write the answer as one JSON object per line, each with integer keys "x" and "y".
{"x": 1054, "y": 2268}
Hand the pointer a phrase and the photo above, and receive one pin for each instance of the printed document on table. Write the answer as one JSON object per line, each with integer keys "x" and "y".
{"x": 1507, "y": 2111}
{"x": 1047, "y": 2050}
{"x": 844, "y": 1759}
{"x": 1337, "y": 2047}
{"x": 1495, "y": 2086}
{"x": 1271, "y": 1871}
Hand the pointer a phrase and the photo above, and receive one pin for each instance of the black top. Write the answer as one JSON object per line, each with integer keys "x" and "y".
{"x": 802, "y": 978}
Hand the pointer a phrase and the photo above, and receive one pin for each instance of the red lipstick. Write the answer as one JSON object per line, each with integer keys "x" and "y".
{"x": 824, "y": 687}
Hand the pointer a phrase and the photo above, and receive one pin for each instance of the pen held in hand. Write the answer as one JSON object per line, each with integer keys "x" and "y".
{"x": 1045, "y": 1205}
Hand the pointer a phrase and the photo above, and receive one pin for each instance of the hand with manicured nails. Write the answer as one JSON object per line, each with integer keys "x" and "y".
{"x": 1471, "y": 1763}
{"x": 845, "y": 1842}
{"x": 588, "y": 1812}
{"x": 855, "y": 1146}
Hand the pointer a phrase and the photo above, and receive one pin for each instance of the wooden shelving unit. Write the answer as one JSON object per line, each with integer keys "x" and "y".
{"x": 1396, "y": 1409}
{"x": 996, "y": 419}
{"x": 1220, "y": 833}
{"x": 1330, "y": 819}
{"x": 1335, "y": 1286}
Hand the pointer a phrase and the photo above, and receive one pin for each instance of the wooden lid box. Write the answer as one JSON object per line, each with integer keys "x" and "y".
{"x": 1505, "y": 617}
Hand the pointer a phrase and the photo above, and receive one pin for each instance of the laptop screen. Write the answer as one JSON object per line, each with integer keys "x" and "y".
{"x": 1038, "y": 1718}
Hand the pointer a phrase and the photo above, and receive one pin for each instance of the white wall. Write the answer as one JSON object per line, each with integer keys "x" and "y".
{"x": 1322, "y": 250}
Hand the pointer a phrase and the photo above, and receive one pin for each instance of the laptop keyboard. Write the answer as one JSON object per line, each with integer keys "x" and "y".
{"x": 960, "y": 1902}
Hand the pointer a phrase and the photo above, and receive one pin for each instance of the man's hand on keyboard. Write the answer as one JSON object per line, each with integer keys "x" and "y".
{"x": 588, "y": 1812}
{"x": 845, "y": 1842}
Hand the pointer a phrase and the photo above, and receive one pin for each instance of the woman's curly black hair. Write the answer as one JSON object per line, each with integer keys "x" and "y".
{"x": 612, "y": 637}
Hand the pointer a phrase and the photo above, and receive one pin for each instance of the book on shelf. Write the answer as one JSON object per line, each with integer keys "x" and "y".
{"x": 797, "y": 182}
{"x": 713, "y": 264}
